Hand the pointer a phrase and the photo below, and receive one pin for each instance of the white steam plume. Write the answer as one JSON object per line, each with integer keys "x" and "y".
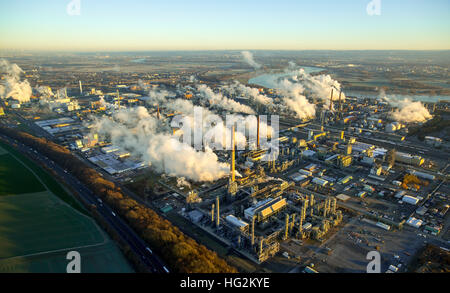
{"x": 252, "y": 93}
{"x": 319, "y": 86}
{"x": 143, "y": 135}
{"x": 11, "y": 86}
{"x": 408, "y": 111}
{"x": 217, "y": 100}
{"x": 182, "y": 182}
{"x": 294, "y": 99}
{"x": 248, "y": 58}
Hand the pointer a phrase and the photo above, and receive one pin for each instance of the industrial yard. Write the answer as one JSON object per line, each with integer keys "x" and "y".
{"x": 315, "y": 193}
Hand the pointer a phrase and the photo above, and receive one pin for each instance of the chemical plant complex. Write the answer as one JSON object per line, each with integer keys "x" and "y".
{"x": 344, "y": 179}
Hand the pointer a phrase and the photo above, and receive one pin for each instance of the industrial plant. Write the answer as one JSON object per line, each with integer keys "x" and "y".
{"x": 321, "y": 166}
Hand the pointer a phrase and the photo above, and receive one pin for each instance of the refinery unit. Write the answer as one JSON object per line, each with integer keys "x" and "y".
{"x": 325, "y": 170}
{"x": 255, "y": 213}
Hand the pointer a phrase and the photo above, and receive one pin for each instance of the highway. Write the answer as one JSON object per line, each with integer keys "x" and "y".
{"x": 152, "y": 262}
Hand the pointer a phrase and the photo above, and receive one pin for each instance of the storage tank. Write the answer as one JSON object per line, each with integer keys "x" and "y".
{"x": 383, "y": 226}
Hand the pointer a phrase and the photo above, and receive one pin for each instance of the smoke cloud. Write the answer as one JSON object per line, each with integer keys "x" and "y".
{"x": 217, "y": 100}
{"x": 248, "y": 58}
{"x": 294, "y": 99}
{"x": 407, "y": 110}
{"x": 252, "y": 93}
{"x": 143, "y": 135}
{"x": 319, "y": 86}
{"x": 12, "y": 86}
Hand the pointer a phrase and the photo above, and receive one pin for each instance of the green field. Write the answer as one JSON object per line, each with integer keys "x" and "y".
{"x": 102, "y": 259}
{"x": 44, "y": 177}
{"x": 38, "y": 229}
{"x": 3, "y": 151}
{"x": 37, "y": 222}
{"x": 15, "y": 178}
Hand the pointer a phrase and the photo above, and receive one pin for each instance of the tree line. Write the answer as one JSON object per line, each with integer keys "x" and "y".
{"x": 182, "y": 253}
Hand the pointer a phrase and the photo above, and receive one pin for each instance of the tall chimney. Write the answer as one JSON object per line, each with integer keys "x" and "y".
{"x": 217, "y": 212}
{"x": 257, "y": 133}
{"x": 233, "y": 154}
{"x": 81, "y": 88}
{"x": 253, "y": 230}
{"x": 300, "y": 224}
{"x": 286, "y": 227}
{"x": 331, "y": 100}
{"x": 159, "y": 117}
{"x": 212, "y": 213}
{"x": 340, "y": 103}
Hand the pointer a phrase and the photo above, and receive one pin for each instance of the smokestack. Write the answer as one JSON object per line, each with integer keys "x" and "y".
{"x": 322, "y": 119}
{"x": 304, "y": 207}
{"x": 65, "y": 92}
{"x": 118, "y": 98}
{"x": 217, "y": 212}
{"x": 253, "y": 230}
{"x": 292, "y": 222}
{"x": 300, "y": 224}
{"x": 340, "y": 103}
{"x": 257, "y": 133}
{"x": 261, "y": 246}
{"x": 233, "y": 154}
{"x": 212, "y": 213}
{"x": 331, "y": 100}
{"x": 286, "y": 227}
{"x": 81, "y": 88}
{"x": 159, "y": 117}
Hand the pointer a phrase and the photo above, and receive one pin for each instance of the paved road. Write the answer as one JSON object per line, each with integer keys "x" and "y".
{"x": 139, "y": 247}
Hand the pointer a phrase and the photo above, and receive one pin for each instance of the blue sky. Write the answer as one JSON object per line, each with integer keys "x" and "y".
{"x": 227, "y": 24}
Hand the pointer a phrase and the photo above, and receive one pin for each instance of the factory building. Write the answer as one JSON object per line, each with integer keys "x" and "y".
{"x": 265, "y": 208}
{"x": 433, "y": 141}
{"x": 409, "y": 159}
{"x": 422, "y": 175}
{"x": 59, "y": 126}
{"x": 410, "y": 199}
{"x": 320, "y": 181}
{"x": 346, "y": 179}
{"x": 413, "y": 222}
{"x": 235, "y": 222}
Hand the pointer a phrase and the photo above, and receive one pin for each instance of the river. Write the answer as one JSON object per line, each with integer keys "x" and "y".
{"x": 269, "y": 80}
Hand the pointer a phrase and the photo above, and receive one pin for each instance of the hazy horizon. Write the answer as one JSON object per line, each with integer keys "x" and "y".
{"x": 200, "y": 25}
